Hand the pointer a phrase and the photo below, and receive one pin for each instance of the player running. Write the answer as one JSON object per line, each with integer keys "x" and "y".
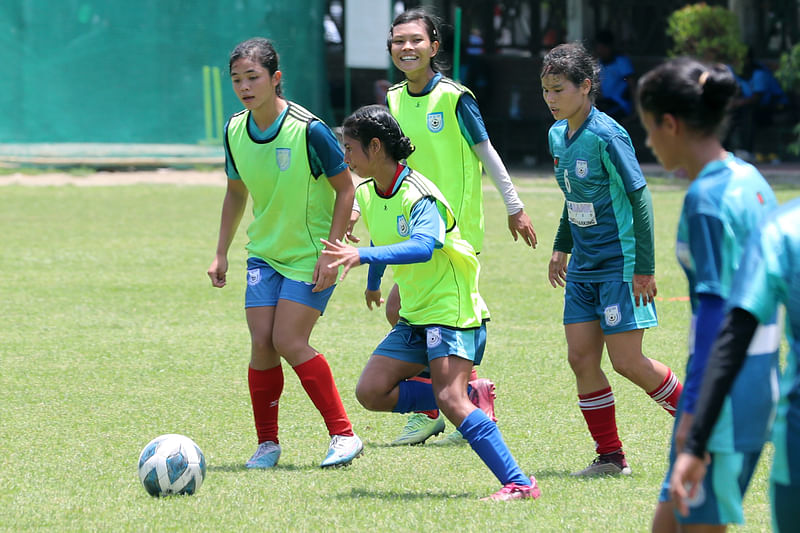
{"x": 682, "y": 104}
{"x": 277, "y": 152}
{"x": 442, "y": 326}
{"x": 607, "y": 228}
{"x": 442, "y": 119}
{"x": 768, "y": 278}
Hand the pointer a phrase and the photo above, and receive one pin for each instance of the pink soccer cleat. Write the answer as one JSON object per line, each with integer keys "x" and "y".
{"x": 512, "y": 491}
{"x": 482, "y": 395}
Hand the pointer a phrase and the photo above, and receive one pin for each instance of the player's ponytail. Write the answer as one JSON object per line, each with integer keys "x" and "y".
{"x": 696, "y": 93}
{"x": 375, "y": 122}
{"x": 260, "y": 50}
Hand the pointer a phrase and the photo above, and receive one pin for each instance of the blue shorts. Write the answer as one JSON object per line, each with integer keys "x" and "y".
{"x": 265, "y": 286}
{"x": 610, "y": 302}
{"x": 421, "y": 344}
{"x": 719, "y": 498}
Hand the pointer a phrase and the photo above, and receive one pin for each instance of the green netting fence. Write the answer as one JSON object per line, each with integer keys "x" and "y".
{"x": 144, "y": 71}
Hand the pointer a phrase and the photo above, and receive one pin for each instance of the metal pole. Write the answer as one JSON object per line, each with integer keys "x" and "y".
{"x": 457, "y": 46}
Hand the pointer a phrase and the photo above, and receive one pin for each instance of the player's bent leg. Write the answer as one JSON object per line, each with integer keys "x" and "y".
{"x": 378, "y": 388}
{"x": 392, "y": 306}
{"x": 450, "y": 375}
{"x": 654, "y": 377}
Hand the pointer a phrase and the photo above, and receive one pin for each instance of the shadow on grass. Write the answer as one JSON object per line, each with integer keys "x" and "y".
{"x": 395, "y": 495}
{"x": 238, "y": 467}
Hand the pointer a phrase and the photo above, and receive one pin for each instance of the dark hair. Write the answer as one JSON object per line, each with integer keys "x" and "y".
{"x": 260, "y": 50}
{"x": 375, "y": 121}
{"x": 431, "y": 23}
{"x": 575, "y": 63}
{"x": 697, "y": 93}
{"x": 604, "y": 37}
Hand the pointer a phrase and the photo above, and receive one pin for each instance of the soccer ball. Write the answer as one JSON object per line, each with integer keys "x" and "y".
{"x": 171, "y": 464}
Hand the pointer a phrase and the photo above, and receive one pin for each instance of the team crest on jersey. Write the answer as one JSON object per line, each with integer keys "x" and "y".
{"x": 402, "y": 226}
{"x": 283, "y": 157}
{"x": 581, "y": 168}
{"x": 434, "y": 337}
{"x": 253, "y": 276}
{"x": 567, "y": 184}
{"x": 613, "y": 316}
{"x": 436, "y": 122}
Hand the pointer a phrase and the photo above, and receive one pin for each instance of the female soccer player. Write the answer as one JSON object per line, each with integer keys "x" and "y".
{"x": 277, "y": 152}
{"x": 442, "y": 327}
{"x": 442, "y": 119}
{"x": 607, "y": 228}
{"x": 682, "y": 104}
{"x": 769, "y": 277}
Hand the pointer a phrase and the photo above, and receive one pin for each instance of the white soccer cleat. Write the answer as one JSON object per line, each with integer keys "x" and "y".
{"x": 342, "y": 451}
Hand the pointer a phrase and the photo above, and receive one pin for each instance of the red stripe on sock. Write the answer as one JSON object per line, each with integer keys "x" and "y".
{"x": 317, "y": 380}
{"x": 266, "y": 387}
{"x": 599, "y": 412}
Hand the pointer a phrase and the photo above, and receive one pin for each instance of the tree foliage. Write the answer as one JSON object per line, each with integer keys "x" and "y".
{"x": 709, "y": 33}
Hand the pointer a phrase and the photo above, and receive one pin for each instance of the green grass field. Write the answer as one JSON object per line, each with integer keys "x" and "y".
{"x": 113, "y": 335}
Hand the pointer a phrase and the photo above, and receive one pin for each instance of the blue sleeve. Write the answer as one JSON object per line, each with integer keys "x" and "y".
{"x": 710, "y": 314}
{"x": 625, "y": 66}
{"x": 705, "y": 237}
{"x": 325, "y": 154}
{"x": 426, "y": 233}
{"x": 622, "y": 155}
{"x": 375, "y": 275}
{"x": 470, "y": 120}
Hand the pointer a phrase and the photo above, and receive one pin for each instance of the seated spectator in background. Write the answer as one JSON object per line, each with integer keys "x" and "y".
{"x": 753, "y": 113}
{"x": 616, "y": 82}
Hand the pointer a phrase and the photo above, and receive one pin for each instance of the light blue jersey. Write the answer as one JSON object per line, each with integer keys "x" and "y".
{"x": 769, "y": 277}
{"x": 596, "y": 169}
{"x": 722, "y": 207}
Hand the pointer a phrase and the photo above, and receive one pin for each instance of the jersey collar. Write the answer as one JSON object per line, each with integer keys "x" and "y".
{"x": 401, "y": 172}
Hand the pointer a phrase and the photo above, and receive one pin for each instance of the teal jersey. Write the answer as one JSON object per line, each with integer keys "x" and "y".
{"x": 596, "y": 169}
{"x": 722, "y": 207}
{"x": 769, "y": 278}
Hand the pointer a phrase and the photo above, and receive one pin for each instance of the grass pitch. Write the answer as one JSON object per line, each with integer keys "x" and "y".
{"x": 113, "y": 335}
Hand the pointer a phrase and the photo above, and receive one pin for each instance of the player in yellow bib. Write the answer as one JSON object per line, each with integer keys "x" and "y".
{"x": 277, "y": 152}
{"x": 442, "y": 324}
{"x": 452, "y": 147}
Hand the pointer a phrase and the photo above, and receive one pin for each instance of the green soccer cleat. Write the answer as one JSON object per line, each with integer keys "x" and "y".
{"x": 419, "y": 428}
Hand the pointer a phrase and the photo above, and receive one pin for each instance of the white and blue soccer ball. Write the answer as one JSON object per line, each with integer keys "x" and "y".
{"x": 172, "y": 464}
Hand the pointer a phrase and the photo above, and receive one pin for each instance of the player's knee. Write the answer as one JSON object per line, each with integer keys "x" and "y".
{"x": 580, "y": 363}
{"x": 624, "y": 367}
{"x": 289, "y": 345}
{"x": 367, "y": 396}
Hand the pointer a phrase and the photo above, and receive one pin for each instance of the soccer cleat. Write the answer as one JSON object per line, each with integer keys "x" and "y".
{"x": 453, "y": 439}
{"x": 419, "y": 428}
{"x": 512, "y": 491}
{"x": 482, "y": 395}
{"x": 266, "y": 455}
{"x": 611, "y": 464}
{"x": 342, "y": 451}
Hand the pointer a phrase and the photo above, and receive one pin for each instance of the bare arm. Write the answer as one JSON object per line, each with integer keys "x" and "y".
{"x": 342, "y": 183}
{"x": 232, "y": 209}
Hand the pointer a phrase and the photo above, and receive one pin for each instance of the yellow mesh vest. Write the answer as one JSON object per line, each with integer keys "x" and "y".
{"x": 443, "y": 290}
{"x": 441, "y": 153}
{"x": 292, "y": 209}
